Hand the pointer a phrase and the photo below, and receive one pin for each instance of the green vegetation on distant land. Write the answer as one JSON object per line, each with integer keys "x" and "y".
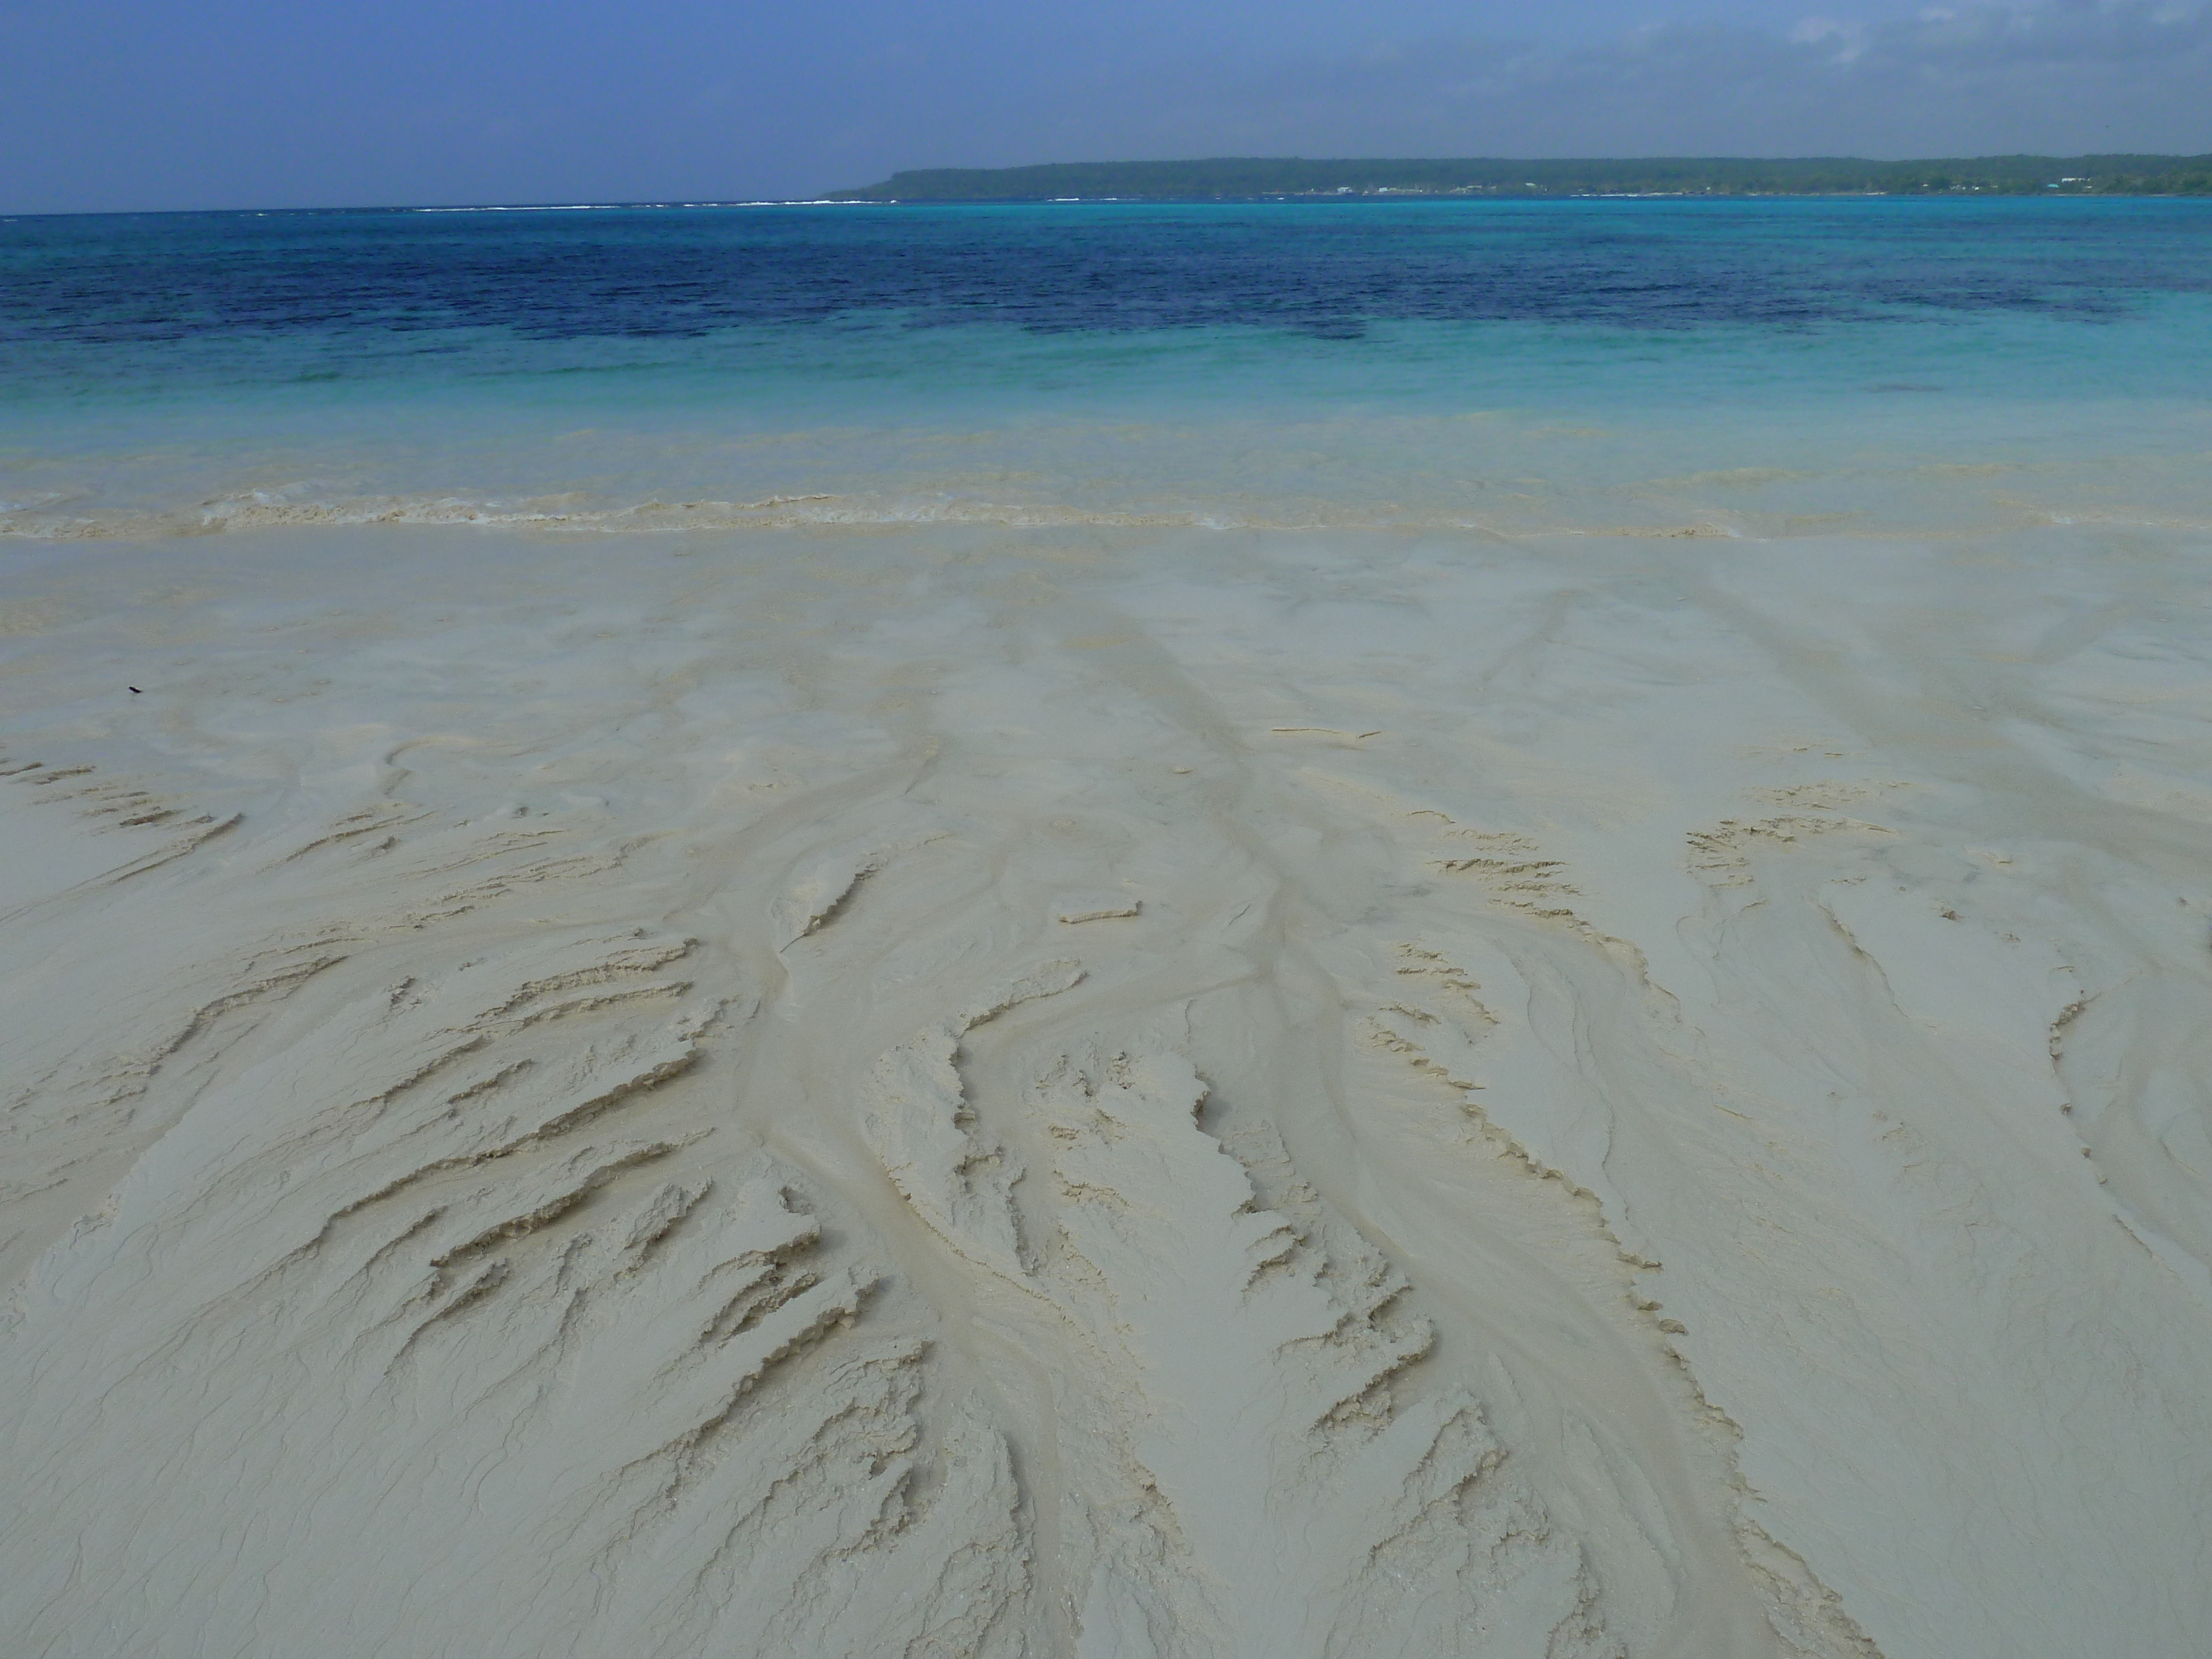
{"x": 1243, "y": 179}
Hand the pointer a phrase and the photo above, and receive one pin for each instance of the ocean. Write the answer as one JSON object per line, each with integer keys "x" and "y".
{"x": 1743, "y": 367}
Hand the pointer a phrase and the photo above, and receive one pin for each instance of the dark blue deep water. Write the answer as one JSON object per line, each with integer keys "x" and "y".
{"x": 99, "y": 299}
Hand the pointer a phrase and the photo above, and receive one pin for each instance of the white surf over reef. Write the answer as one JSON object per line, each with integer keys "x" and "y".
{"x": 1118, "y": 1093}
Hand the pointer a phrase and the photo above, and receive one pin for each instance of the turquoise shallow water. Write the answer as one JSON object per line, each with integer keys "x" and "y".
{"x": 1746, "y": 366}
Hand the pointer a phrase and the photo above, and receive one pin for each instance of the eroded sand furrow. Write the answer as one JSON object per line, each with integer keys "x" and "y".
{"x": 1159, "y": 1594}
{"x": 1083, "y": 1107}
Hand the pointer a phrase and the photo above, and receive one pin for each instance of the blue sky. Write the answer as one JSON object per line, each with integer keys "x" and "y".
{"x": 129, "y": 104}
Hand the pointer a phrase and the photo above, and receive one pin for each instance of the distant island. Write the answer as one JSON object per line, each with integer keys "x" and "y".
{"x": 1248, "y": 179}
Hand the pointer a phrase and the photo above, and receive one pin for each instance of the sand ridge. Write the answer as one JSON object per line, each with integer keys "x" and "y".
{"x": 1126, "y": 1095}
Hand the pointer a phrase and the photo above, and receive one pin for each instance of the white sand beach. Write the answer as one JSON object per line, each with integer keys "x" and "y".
{"x": 1134, "y": 1094}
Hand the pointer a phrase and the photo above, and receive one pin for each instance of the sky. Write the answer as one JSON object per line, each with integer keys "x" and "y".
{"x": 128, "y": 104}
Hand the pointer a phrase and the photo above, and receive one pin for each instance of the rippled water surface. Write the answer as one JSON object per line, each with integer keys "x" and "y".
{"x": 1454, "y": 362}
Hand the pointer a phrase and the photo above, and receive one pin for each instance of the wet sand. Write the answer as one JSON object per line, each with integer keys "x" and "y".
{"x": 1139, "y": 1092}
